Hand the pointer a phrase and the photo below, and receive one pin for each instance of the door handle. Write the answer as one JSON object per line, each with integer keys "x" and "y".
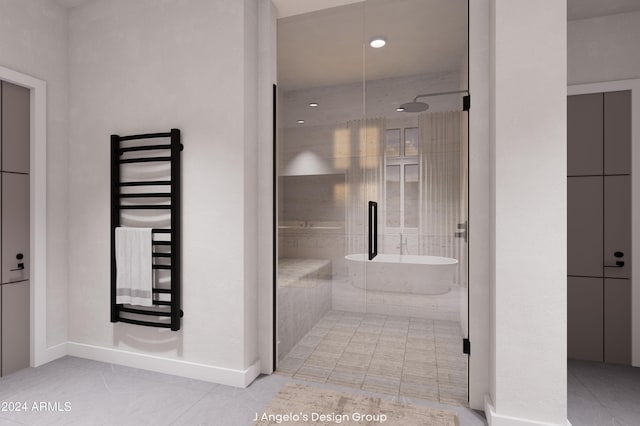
{"x": 373, "y": 229}
{"x": 619, "y": 263}
{"x": 19, "y": 268}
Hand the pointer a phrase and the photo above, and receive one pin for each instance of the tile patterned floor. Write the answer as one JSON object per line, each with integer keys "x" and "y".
{"x": 387, "y": 354}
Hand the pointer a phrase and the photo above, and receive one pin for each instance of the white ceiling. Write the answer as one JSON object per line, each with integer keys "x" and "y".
{"x": 298, "y": 7}
{"x": 331, "y": 47}
{"x": 576, "y": 9}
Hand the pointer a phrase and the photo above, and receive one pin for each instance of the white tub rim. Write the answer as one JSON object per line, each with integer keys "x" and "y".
{"x": 408, "y": 259}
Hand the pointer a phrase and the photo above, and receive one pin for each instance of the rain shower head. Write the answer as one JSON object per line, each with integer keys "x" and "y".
{"x": 414, "y": 106}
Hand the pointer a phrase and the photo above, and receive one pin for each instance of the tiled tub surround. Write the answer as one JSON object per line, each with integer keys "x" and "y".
{"x": 389, "y": 354}
{"x": 305, "y": 273}
{"x": 311, "y": 240}
{"x": 304, "y": 297}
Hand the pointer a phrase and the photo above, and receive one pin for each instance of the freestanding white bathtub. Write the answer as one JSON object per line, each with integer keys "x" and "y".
{"x": 403, "y": 273}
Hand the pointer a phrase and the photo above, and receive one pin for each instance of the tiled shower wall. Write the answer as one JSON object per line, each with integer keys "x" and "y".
{"x": 304, "y": 297}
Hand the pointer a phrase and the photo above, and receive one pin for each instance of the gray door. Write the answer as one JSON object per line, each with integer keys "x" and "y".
{"x": 15, "y": 227}
{"x": 15, "y": 128}
{"x": 617, "y": 226}
{"x": 584, "y": 128}
{"x": 599, "y": 227}
{"x": 617, "y": 321}
{"x": 617, "y": 133}
{"x": 585, "y": 225}
{"x": 15, "y": 327}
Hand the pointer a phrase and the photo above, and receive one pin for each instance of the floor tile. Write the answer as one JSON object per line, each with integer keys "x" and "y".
{"x": 363, "y": 337}
{"x": 394, "y": 355}
{"x": 381, "y": 384}
{"x": 290, "y": 365}
{"x": 419, "y": 390}
{"x": 385, "y": 369}
{"x": 360, "y": 348}
{"x": 314, "y": 374}
{"x": 320, "y": 360}
{"x": 346, "y": 378}
{"x": 301, "y": 351}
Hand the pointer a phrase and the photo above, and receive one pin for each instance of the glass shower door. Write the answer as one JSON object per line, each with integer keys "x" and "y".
{"x": 321, "y": 201}
{"x": 371, "y": 289}
{"x": 416, "y": 158}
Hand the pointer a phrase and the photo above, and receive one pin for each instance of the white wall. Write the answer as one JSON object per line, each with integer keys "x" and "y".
{"x": 528, "y": 239}
{"x": 33, "y": 41}
{"x": 148, "y": 66}
{"x": 250, "y": 166}
{"x": 266, "y": 78}
{"x": 604, "y": 48}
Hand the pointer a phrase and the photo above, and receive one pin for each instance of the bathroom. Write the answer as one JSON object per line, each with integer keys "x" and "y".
{"x": 207, "y": 67}
{"x": 372, "y": 155}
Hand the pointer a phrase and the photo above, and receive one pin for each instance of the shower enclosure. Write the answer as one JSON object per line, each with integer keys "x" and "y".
{"x": 371, "y": 152}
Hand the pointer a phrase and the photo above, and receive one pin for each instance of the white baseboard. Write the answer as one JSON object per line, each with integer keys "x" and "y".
{"x": 50, "y": 354}
{"x": 192, "y": 370}
{"x": 495, "y": 419}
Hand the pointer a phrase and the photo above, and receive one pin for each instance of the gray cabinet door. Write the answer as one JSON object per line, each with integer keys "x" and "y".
{"x": 617, "y": 133}
{"x": 15, "y": 327}
{"x": 617, "y": 321}
{"x": 617, "y": 225}
{"x": 15, "y": 227}
{"x": 584, "y": 318}
{"x": 15, "y": 128}
{"x": 584, "y": 226}
{"x": 584, "y": 134}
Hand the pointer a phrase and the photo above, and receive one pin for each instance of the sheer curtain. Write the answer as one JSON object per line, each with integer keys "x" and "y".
{"x": 440, "y": 190}
{"x": 364, "y": 178}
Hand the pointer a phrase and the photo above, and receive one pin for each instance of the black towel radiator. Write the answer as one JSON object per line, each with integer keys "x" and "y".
{"x": 165, "y": 309}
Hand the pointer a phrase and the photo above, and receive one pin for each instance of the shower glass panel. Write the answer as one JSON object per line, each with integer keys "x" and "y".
{"x": 421, "y": 292}
{"x": 394, "y": 324}
{"x": 321, "y": 203}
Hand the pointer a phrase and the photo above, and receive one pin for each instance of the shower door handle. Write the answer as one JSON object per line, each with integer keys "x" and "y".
{"x": 373, "y": 229}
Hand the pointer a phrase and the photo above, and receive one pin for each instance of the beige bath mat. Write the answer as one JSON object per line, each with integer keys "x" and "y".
{"x": 298, "y": 404}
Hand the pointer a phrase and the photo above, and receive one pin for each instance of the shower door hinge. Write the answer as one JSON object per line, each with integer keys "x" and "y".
{"x": 466, "y": 103}
{"x": 466, "y": 346}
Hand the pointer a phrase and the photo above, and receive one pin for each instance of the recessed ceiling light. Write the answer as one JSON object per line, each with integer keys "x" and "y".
{"x": 377, "y": 42}
{"x": 300, "y": 121}
{"x": 313, "y": 104}
{"x": 399, "y": 109}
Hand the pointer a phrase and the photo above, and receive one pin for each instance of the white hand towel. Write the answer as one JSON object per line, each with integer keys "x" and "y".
{"x": 134, "y": 282}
